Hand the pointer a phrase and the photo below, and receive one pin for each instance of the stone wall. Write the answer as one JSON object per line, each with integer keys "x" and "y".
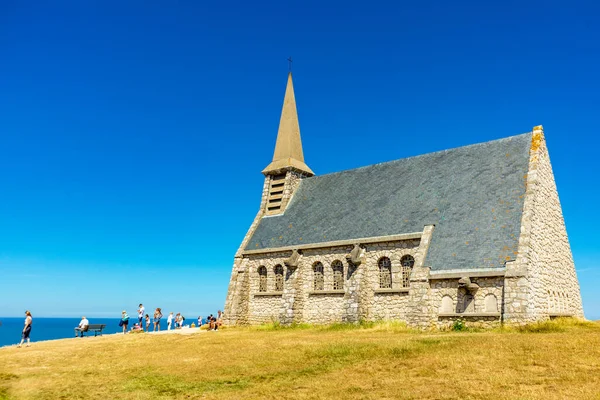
{"x": 390, "y": 306}
{"x": 478, "y": 312}
{"x": 419, "y": 305}
{"x": 542, "y": 280}
{"x": 300, "y": 302}
{"x": 555, "y": 288}
{"x": 387, "y": 304}
{"x": 292, "y": 181}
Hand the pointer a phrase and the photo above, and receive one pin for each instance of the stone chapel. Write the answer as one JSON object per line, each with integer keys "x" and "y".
{"x": 473, "y": 233}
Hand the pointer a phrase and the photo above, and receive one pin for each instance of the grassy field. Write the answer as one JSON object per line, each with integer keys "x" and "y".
{"x": 553, "y": 360}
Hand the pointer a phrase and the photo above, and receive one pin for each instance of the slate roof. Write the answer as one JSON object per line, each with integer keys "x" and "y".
{"x": 474, "y": 195}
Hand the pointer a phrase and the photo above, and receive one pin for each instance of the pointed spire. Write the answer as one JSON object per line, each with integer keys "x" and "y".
{"x": 288, "y": 148}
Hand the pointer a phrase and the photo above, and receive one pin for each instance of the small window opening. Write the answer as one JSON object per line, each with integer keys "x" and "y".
{"x": 407, "y": 263}
{"x": 338, "y": 275}
{"x": 318, "y": 276}
{"x": 262, "y": 279}
{"x": 385, "y": 273}
{"x": 278, "y": 278}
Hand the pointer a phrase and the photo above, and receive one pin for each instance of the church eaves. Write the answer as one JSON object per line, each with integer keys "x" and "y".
{"x": 288, "y": 148}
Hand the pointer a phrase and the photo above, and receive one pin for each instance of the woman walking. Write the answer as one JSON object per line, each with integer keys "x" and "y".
{"x": 124, "y": 321}
{"x": 27, "y": 329}
{"x": 157, "y": 317}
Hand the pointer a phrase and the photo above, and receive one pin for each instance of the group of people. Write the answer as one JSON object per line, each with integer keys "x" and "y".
{"x": 173, "y": 321}
{"x": 143, "y": 320}
{"x": 214, "y": 322}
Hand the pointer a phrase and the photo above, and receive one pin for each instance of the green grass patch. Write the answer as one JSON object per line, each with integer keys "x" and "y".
{"x": 555, "y": 326}
{"x": 345, "y": 326}
{"x": 277, "y": 326}
{"x": 541, "y": 327}
{"x": 168, "y": 386}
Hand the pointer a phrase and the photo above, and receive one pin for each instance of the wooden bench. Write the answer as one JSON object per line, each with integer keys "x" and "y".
{"x": 96, "y": 328}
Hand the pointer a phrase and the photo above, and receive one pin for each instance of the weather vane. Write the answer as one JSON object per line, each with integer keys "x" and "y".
{"x": 290, "y": 63}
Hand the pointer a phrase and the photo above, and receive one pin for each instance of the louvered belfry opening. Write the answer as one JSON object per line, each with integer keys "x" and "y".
{"x": 275, "y": 194}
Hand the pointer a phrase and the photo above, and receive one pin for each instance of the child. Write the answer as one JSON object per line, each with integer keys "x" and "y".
{"x": 147, "y": 322}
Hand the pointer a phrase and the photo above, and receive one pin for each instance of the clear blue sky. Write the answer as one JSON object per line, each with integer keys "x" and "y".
{"x": 132, "y": 134}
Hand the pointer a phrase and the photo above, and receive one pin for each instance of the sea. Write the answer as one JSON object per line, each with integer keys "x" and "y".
{"x": 57, "y": 328}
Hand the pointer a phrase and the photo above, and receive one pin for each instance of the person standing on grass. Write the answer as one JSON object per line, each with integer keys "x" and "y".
{"x": 141, "y": 310}
{"x": 27, "y": 329}
{"x": 169, "y": 321}
{"x": 124, "y": 321}
{"x": 199, "y": 321}
{"x": 147, "y": 323}
{"x": 157, "y": 317}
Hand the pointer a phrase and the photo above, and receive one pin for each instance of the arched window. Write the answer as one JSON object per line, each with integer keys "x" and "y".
{"x": 491, "y": 303}
{"x": 262, "y": 279}
{"x": 318, "y": 276}
{"x": 407, "y": 263}
{"x": 338, "y": 275}
{"x": 385, "y": 273}
{"x": 278, "y": 278}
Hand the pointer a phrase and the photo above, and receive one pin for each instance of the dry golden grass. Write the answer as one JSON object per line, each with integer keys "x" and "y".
{"x": 554, "y": 360}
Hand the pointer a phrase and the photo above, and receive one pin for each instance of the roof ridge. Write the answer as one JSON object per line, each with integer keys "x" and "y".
{"x": 421, "y": 155}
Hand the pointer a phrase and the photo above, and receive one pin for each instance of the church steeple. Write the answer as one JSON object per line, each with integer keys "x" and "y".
{"x": 288, "y": 148}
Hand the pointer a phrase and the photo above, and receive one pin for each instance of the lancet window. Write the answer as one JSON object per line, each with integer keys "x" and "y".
{"x": 385, "y": 273}
{"x": 278, "y": 278}
{"x": 338, "y": 275}
{"x": 318, "y": 276}
{"x": 407, "y": 262}
{"x": 262, "y": 279}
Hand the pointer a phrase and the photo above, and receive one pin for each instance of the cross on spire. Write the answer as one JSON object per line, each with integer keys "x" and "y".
{"x": 290, "y": 63}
